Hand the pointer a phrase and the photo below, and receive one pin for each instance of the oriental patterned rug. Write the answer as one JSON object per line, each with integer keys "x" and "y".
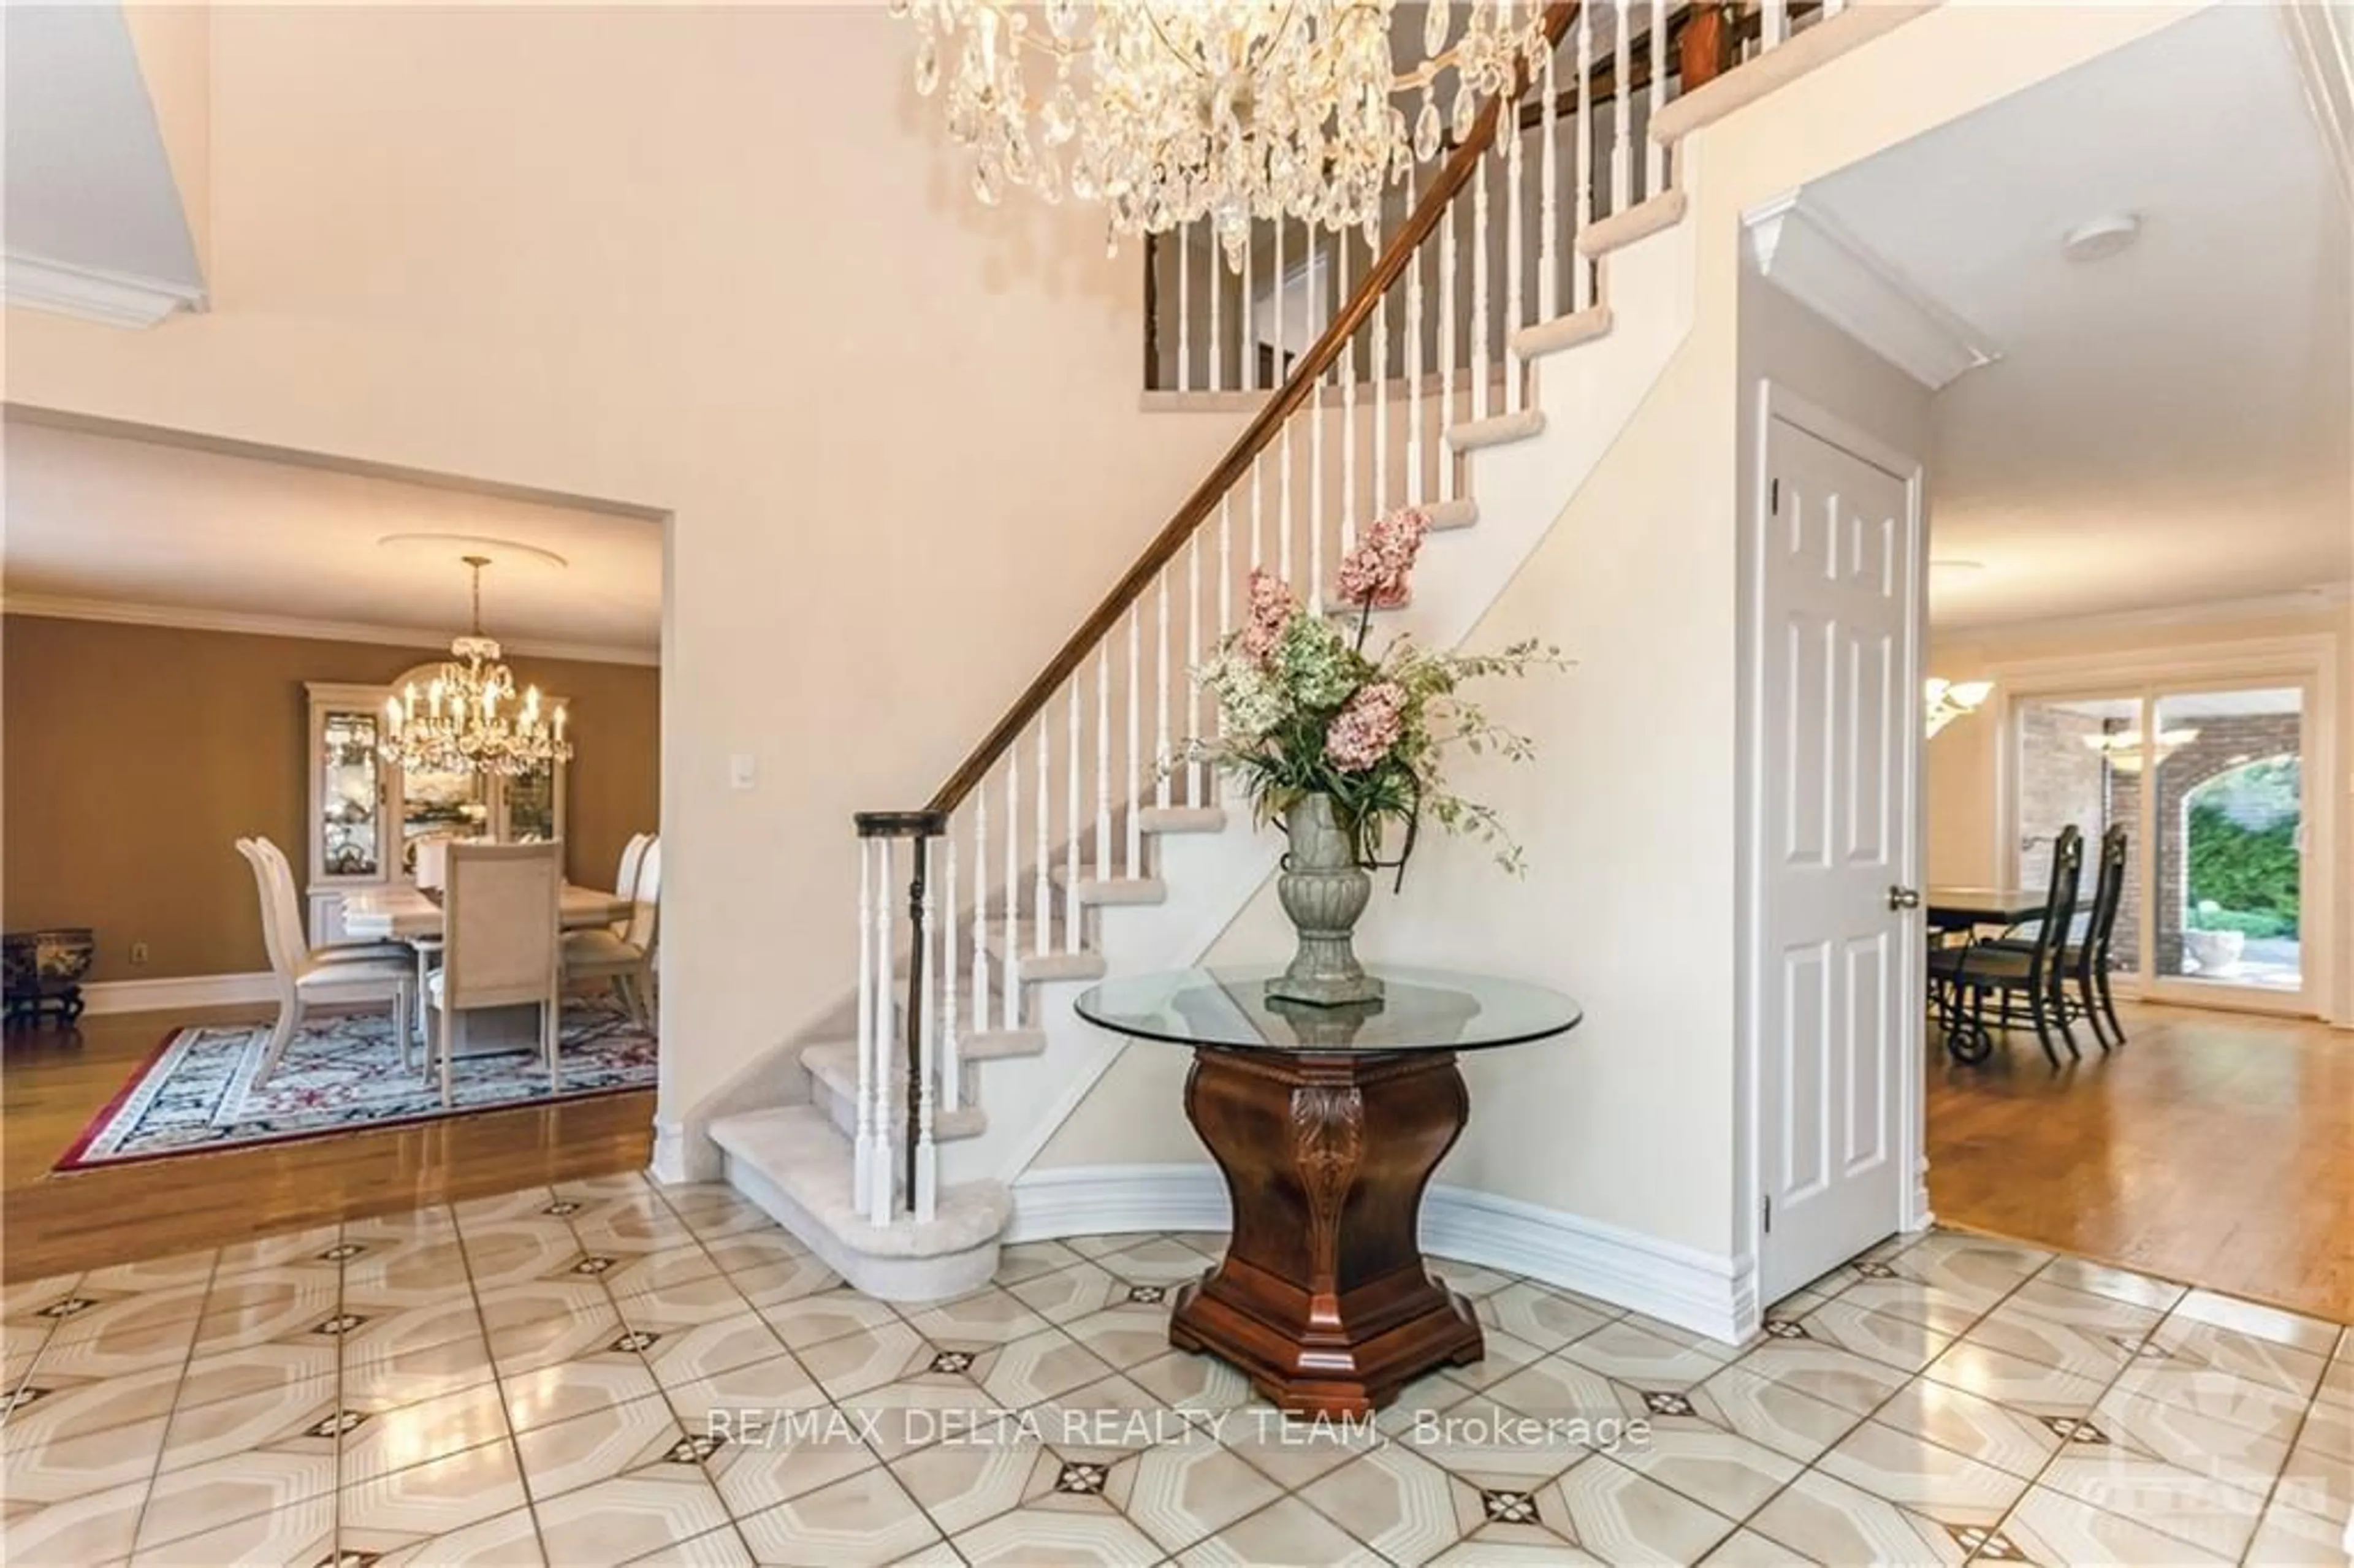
{"x": 341, "y": 1073}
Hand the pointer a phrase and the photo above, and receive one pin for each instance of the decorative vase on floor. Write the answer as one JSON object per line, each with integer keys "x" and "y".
{"x": 1324, "y": 890}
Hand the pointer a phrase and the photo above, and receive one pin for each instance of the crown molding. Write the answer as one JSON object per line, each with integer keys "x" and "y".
{"x": 56, "y": 607}
{"x": 92, "y": 293}
{"x": 2318, "y": 599}
{"x": 2323, "y": 42}
{"x": 1823, "y": 267}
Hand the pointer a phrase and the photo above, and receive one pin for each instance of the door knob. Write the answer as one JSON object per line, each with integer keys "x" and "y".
{"x": 1904, "y": 898}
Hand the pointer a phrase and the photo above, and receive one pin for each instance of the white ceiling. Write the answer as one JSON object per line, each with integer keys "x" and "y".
{"x": 2166, "y": 428}
{"x": 87, "y": 180}
{"x": 149, "y": 527}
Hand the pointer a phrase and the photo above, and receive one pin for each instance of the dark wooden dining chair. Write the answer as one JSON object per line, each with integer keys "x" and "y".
{"x": 2086, "y": 958}
{"x": 2026, "y": 975}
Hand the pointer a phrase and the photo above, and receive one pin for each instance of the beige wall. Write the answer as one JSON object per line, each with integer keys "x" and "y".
{"x": 137, "y": 753}
{"x": 716, "y": 261}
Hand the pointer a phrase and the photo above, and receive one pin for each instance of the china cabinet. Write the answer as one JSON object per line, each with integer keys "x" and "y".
{"x": 367, "y": 817}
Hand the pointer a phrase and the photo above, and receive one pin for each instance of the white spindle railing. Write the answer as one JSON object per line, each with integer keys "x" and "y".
{"x": 1027, "y": 813}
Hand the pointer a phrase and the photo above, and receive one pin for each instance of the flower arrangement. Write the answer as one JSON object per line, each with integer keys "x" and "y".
{"x": 1304, "y": 709}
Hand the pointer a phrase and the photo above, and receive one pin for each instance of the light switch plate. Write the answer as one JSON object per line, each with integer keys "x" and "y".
{"x": 743, "y": 772}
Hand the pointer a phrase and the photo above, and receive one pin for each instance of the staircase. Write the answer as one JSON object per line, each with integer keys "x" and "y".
{"x": 1479, "y": 368}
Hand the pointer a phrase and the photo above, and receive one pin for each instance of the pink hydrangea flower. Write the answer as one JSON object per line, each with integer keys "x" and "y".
{"x": 1363, "y": 732}
{"x": 1272, "y": 606}
{"x": 1377, "y": 571}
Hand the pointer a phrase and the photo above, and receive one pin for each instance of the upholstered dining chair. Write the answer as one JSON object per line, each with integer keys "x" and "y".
{"x": 304, "y": 978}
{"x": 626, "y": 959}
{"x": 499, "y": 918}
{"x": 625, "y": 880}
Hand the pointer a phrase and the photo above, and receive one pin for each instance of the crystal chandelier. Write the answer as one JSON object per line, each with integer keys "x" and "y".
{"x": 468, "y": 719}
{"x": 2123, "y": 749}
{"x": 1171, "y": 110}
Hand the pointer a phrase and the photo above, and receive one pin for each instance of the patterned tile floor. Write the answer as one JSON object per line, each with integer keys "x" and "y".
{"x": 607, "y": 1373}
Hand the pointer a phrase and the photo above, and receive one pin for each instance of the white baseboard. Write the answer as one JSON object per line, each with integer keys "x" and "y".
{"x": 1676, "y": 1284}
{"x": 179, "y": 992}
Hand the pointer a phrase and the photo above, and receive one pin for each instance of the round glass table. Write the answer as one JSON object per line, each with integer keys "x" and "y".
{"x": 1327, "y": 1123}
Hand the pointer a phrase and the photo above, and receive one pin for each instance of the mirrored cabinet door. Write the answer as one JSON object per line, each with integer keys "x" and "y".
{"x": 348, "y": 798}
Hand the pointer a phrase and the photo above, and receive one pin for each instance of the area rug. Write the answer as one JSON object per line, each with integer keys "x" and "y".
{"x": 340, "y": 1075}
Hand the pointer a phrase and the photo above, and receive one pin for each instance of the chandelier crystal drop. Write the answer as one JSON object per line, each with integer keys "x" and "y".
{"x": 1167, "y": 111}
{"x": 468, "y": 719}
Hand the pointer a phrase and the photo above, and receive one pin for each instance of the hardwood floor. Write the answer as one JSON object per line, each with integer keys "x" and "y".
{"x": 2215, "y": 1147}
{"x": 53, "y": 1086}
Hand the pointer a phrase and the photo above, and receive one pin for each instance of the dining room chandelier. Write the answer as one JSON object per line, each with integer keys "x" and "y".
{"x": 469, "y": 718}
{"x": 2124, "y": 751}
{"x": 1171, "y": 111}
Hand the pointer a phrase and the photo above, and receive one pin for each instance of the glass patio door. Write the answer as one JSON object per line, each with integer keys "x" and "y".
{"x": 2209, "y": 783}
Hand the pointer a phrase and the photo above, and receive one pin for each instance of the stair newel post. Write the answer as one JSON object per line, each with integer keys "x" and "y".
{"x": 1131, "y": 784}
{"x": 923, "y": 1037}
{"x": 862, "y": 1160}
{"x": 1072, "y": 769}
{"x": 948, "y": 1089}
{"x": 1105, "y": 864}
{"x": 875, "y": 1082}
{"x": 980, "y": 912}
{"x": 1008, "y": 992}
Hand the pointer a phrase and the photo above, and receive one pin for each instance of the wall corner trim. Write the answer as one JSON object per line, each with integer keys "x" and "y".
{"x": 1800, "y": 250}
{"x": 92, "y": 294}
{"x": 180, "y": 992}
{"x": 1676, "y": 1284}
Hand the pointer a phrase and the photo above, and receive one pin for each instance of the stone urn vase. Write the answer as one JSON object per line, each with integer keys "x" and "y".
{"x": 1324, "y": 890}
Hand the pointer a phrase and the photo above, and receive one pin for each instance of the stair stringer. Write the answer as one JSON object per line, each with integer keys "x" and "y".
{"x": 1588, "y": 393}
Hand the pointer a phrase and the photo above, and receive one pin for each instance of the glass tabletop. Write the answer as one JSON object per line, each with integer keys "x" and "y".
{"x": 1420, "y": 1009}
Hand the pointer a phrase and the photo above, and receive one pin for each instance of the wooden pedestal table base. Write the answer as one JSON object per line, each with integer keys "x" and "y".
{"x": 1323, "y": 1300}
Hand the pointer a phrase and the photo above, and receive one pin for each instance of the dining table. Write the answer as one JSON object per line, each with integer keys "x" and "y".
{"x": 412, "y": 915}
{"x": 1959, "y": 908}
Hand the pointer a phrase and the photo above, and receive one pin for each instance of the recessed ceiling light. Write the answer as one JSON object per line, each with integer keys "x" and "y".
{"x": 2101, "y": 238}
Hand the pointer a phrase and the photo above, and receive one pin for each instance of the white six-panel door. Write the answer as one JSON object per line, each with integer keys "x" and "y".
{"x": 1836, "y": 968}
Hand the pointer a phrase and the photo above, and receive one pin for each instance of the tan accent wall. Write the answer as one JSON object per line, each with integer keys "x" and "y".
{"x": 136, "y": 753}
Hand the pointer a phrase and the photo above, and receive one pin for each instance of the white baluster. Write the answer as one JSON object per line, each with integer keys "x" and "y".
{"x": 1348, "y": 371}
{"x": 1258, "y": 508}
{"x": 951, "y": 994}
{"x": 1415, "y": 480}
{"x": 1105, "y": 870}
{"x": 1316, "y": 484}
{"x": 1162, "y": 747}
{"x": 980, "y": 904}
{"x": 1622, "y": 77}
{"x": 1277, "y": 379}
{"x": 1380, "y": 487}
{"x": 1073, "y": 766}
{"x": 1041, "y": 899}
{"x": 1655, "y": 157}
{"x": 1130, "y": 787}
{"x": 1508, "y": 126}
{"x": 1225, "y": 564}
{"x": 1243, "y": 309}
{"x": 926, "y": 1079}
{"x": 1183, "y": 234}
{"x": 1777, "y": 25}
{"x": 1581, "y": 274}
{"x": 1449, "y": 245}
{"x": 1008, "y": 988}
{"x": 1548, "y": 205}
{"x": 1283, "y": 509}
{"x": 1480, "y": 325}
{"x": 1215, "y": 265}
{"x": 1194, "y": 795}
{"x": 879, "y": 1178}
{"x": 861, "y": 1158}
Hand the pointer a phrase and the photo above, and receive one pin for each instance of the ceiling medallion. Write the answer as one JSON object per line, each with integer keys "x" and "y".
{"x": 1171, "y": 110}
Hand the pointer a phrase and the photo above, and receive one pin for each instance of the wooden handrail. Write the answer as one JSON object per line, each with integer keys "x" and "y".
{"x": 1257, "y": 437}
